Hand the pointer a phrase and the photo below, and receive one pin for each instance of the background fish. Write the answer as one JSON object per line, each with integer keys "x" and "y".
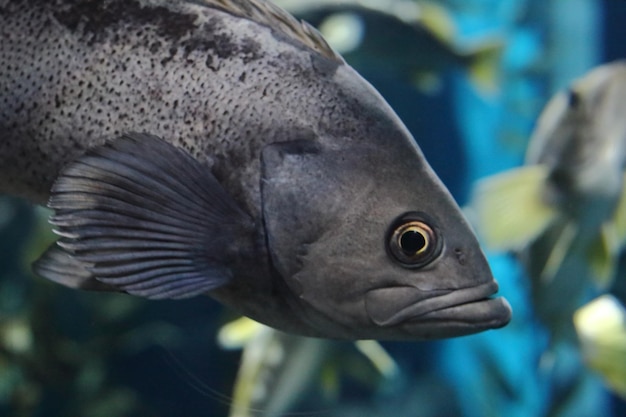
{"x": 563, "y": 216}
{"x": 253, "y": 180}
{"x": 565, "y": 210}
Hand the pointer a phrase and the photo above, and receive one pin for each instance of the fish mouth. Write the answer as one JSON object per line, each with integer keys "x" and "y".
{"x": 464, "y": 311}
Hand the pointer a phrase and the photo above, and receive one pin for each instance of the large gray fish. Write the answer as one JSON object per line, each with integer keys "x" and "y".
{"x": 267, "y": 174}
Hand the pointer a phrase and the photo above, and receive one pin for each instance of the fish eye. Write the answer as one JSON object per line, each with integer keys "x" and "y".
{"x": 412, "y": 241}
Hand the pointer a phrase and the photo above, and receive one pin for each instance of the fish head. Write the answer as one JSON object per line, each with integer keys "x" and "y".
{"x": 370, "y": 243}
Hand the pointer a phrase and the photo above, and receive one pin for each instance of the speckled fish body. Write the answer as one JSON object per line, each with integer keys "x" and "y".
{"x": 267, "y": 172}
{"x": 76, "y": 73}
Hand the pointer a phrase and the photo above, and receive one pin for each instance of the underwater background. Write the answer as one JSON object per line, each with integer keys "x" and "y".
{"x": 68, "y": 353}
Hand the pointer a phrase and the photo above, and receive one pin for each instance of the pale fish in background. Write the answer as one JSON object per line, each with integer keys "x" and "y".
{"x": 564, "y": 212}
{"x": 421, "y": 46}
{"x": 601, "y": 329}
{"x": 278, "y": 369}
{"x": 266, "y": 172}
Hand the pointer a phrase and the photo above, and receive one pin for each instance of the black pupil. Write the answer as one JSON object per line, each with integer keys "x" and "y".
{"x": 412, "y": 242}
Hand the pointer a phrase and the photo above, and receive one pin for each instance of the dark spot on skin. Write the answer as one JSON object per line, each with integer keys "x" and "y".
{"x": 201, "y": 44}
{"x": 173, "y": 52}
{"x": 155, "y": 47}
{"x": 94, "y": 17}
{"x": 460, "y": 256}
{"x": 209, "y": 63}
{"x": 206, "y": 39}
{"x": 250, "y": 50}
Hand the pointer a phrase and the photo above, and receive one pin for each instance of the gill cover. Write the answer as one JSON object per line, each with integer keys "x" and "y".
{"x": 300, "y": 194}
{"x": 312, "y": 199}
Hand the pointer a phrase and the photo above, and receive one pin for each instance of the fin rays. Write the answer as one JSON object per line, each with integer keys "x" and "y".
{"x": 143, "y": 216}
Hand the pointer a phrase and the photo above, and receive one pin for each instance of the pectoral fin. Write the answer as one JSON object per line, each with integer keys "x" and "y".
{"x": 146, "y": 218}
{"x": 509, "y": 208}
{"x": 59, "y": 266}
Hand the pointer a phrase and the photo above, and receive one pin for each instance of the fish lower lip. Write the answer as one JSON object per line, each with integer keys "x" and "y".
{"x": 395, "y": 305}
{"x": 487, "y": 313}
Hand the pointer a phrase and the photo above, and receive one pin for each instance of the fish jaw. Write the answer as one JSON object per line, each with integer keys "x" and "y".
{"x": 438, "y": 313}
